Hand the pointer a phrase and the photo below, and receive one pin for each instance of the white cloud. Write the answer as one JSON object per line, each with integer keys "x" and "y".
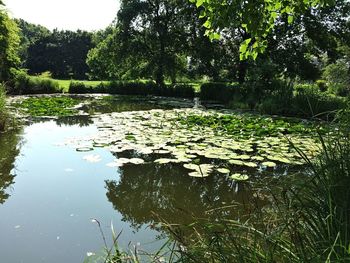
{"x": 65, "y": 14}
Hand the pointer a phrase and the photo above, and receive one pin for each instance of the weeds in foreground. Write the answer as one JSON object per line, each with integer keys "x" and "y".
{"x": 114, "y": 254}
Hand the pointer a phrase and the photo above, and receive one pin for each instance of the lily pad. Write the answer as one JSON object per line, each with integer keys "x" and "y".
{"x": 223, "y": 170}
{"x": 239, "y": 177}
{"x": 269, "y": 164}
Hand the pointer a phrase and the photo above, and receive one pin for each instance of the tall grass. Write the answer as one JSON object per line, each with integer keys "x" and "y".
{"x": 114, "y": 254}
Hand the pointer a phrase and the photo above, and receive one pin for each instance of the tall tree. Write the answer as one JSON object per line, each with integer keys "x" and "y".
{"x": 149, "y": 39}
{"x": 9, "y": 45}
{"x": 29, "y": 34}
{"x": 63, "y": 53}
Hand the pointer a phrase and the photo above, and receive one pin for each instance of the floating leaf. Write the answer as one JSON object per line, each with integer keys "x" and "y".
{"x": 239, "y": 177}
{"x": 223, "y": 170}
{"x": 269, "y": 164}
{"x": 236, "y": 162}
{"x": 84, "y": 149}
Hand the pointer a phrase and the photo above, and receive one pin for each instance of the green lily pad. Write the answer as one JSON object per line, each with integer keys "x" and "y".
{"x": 236, "y": 162}
{"x": 239, "y": 177}
{"x": 269, "y": 164}
{"x": 223, "y": 170}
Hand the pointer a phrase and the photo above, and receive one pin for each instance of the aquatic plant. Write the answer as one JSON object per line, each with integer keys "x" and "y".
{"x": 49, "y": 106}
{"x": 191, "y": 138}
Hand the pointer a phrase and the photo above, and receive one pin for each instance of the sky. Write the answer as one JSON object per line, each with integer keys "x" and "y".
{"x": 87, "y": 15}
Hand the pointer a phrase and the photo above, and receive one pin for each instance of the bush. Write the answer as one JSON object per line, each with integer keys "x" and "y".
{"x": 3, "y": 112}
{"x": 322, "y": 85}
{"x": 311, "y": 103}
{"x": 305, "y": 101}
{"x": 80, "y": 88}
{"x": 25, "y": 84}
{"x": 338, "y": 77}
{"x": 278, "y": 102}
{"x": 179, "y": 90}
{"x": 222, "y": 92}
{"x": 134, "y": 88}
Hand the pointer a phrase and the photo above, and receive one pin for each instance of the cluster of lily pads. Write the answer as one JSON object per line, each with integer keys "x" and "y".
{"x": 159, "y": 136}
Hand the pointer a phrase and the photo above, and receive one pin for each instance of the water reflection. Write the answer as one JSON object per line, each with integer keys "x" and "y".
{"x": 81, "y": 121}
{"x": 9, "y": 149}
{"x": 147, "y": 193}
{"x": 122, "y": 103}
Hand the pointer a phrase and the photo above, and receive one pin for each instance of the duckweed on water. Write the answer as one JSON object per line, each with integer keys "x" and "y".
{"x": 49, "y": 106}
{"x": 165, "y": 137}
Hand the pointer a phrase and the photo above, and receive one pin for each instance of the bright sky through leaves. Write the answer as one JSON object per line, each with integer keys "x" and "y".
{"x": 65, "y": 14}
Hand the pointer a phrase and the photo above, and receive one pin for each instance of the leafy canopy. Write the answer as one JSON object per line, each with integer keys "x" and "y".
{"x": 257, "y": 17}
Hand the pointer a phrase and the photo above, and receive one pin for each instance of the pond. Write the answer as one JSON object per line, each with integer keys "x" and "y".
{"x": 132, "y": 163}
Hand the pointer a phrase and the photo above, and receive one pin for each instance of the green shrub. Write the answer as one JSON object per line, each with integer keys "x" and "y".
{"x": 311, "y": 103}
{"x": 222, "y": 92}
{"x": 305, "y": 101}
{"x": 3, "y": 112}
{"x": 338, "y": 77}
{"x": 80, "y": 88}
{"x": 25, "y": 84}
{"x": 179, "y": 91}
{"x": 322, "y": 85}
{"x": 134, "y": 88}
{"x": 340, "y": 89}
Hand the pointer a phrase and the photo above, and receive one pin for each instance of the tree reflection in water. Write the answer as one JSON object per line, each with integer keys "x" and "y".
{"x": 145, "y": 194}
{"x": 9, "y": 150}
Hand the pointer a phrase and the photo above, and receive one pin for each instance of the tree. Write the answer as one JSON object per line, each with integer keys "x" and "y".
{"x": 63, "y": 53}
{"x": 29, "y": 34}
{"x": 149, "y": 39}
{"x": 9, "y": 45}
{"x": 258, "y": 18}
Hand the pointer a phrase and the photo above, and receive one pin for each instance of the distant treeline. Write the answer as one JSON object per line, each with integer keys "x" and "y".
{"x": 62, "y": 53}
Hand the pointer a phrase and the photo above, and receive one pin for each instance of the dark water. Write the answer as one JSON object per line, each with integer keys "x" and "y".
{"x": 49, "y": 195}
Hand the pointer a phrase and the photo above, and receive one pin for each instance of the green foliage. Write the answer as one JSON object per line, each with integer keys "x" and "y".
{"x": 248, "y": 124}
{"x": 29, "y": 34}
{"x": 322, "y": 85}
{"x": 222, "y": 92}
{"x": 63, "y": 53}
{"x": 301, "y": 101}
{"x": 134, "y": 88}
{"x": 258, "y": 19}
{"x": 49, "y": 106}
{"x": 338, "y": 77}
{"x": 9, "y": 45}
{"x": 25, "y": 84}
{"x": 3, "y": 111}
